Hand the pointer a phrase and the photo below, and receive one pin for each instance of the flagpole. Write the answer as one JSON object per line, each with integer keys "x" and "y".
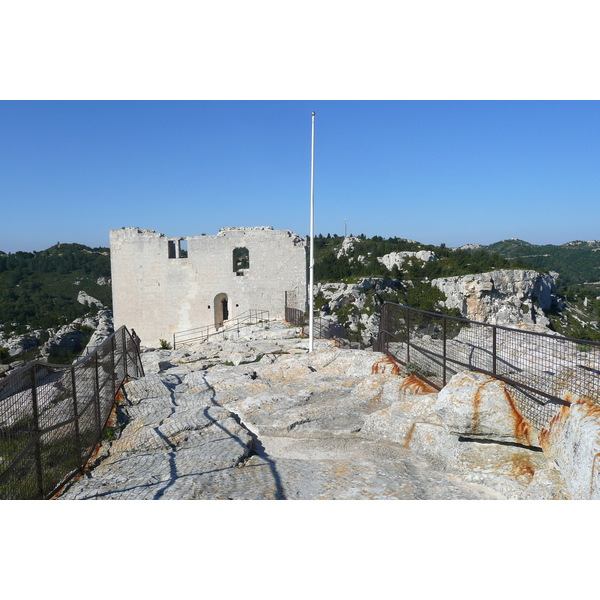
{"x": 311, "y": 298}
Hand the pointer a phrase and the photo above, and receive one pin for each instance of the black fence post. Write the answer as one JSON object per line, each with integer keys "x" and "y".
{"x": 76, "y": 421}
{"x": 124, "y": 347}
{"x": 407, "y": 335}
{"x": 112, "y": 365}
{"x": 494, "y": 350}
{"x": 97, "y": 394}
{"x": 444, "y": 359}
{"x": 36, "y": 429}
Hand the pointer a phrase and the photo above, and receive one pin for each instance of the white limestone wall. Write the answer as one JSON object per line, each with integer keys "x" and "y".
{"x": 157, "y": 295}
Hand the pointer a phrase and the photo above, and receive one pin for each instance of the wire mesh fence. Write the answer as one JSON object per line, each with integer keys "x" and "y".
{"x": 323, "y": 328}
{"x": 53, "y": 416}
{"x": 543, "y": 369}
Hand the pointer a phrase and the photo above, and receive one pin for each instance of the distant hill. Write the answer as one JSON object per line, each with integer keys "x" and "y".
{"x": 577, "y": 262}
{"x": 40, "y": 289}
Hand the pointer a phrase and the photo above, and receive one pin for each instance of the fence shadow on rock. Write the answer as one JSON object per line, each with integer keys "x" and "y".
{"x": 52, "y": 417}
{"x": 541, "y": 368}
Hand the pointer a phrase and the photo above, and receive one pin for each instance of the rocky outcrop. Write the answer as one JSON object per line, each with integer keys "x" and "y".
{"x": 19, "y": 344}
{"x": 398, "y": 258}
{"x": 51, "y": 341}
{"x": 84, "y": 298}
{"x": 103, "y": 326}
{"x": 357, "y": 302}
{"x": 503, "y": 297}
{"x": 572, "y": 440}
{"x": 347, "y": 246}
{"x": 476, "y": 406}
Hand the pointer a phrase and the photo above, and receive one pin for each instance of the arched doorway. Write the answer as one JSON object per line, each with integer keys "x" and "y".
{"x": 221, "y": 309}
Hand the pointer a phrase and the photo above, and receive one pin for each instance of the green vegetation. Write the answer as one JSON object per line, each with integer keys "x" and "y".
{"x": 38, "y": 288}
{"x": 576, "y": 262}
{"x": 164, "y": 345}
{"x": 450, "y": 263}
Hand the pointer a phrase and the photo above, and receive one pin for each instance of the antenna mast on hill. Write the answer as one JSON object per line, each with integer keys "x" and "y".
{"x": 345, "y": 228}
{"x": 311, "y": 299}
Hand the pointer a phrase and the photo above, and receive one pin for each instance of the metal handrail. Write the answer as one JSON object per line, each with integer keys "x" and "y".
{"x": 542, "y": 367}
{"x": 203, "y": 333}
{"x": 52, "y": 417}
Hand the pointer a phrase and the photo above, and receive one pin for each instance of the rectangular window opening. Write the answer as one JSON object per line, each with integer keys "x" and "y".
{"x": 183, "y": 249}
{"x": 241, "y": 260}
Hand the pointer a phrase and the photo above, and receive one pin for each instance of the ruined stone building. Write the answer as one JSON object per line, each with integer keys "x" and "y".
{"x": 164, "y": 285}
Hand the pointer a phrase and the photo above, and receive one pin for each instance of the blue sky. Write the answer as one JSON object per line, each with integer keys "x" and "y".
{"x": 434, "y": 171}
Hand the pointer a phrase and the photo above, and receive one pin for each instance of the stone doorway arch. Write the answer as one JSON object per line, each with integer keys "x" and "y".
{"x": 221, "y": 304}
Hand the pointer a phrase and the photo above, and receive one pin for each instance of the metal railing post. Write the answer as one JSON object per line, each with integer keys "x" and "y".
{"x": 76, "y": 421}
{"x": 445, "y": 355}
{"x": 124, "y": 346}
{"x": 97, "y": 393}
{"x": 407, "y": 335}
{"x": 494, "y": 350}
{"x": 112, "y": 365}
{"x": 36, "y": 429}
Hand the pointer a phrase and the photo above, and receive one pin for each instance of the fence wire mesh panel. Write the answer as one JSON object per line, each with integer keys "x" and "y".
{"x": 52, "y": 416}
{"x": 544, "y": 369}
{"x": 322, "y": 328}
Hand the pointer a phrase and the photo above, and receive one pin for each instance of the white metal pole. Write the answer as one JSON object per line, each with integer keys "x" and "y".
{"x": 311, "y": 298}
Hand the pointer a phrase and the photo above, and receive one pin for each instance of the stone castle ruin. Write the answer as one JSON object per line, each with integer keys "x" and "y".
{"x": 163, "y": 285}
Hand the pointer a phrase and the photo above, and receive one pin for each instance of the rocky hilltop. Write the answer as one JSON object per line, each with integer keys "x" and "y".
{"x": 255, "y": 416}
{"x": 501, "y": 297}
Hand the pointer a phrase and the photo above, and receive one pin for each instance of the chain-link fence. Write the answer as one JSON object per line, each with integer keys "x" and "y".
{"x": 53, "y": 416}
{"x": 543, "y": 369}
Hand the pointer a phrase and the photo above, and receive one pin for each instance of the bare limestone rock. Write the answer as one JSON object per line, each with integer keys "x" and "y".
{"x": 347, "y": 246}
{"x": 397, "y": 258}
{"x": 474, "y": 405}
{"x": 501, "y": 297}
{"x": 572, "y": 439}
{"x": 330, "y": 424}
{"x": 512, "y": 472}
{"x": 84, "y": 298}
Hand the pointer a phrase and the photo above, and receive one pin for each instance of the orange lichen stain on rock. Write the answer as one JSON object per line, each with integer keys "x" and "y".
{"x": 381, "y": 366}
{"x": 341, "y": 469}
{"x": 591, "y": 409}
{"x": 374, "y": 403}
{"x": 476, "y": 404}
{"x": 112, "y": 418}
{"x": 409, "y": 434}
{"x": 414, "y": 385}
{"x": 546, "y": 432}
{"x": 522, "y": 468}
{"x": 522, "y": 427}
{"x": 593, "y": 476}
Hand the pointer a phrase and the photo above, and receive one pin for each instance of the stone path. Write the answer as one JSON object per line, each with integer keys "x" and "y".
{"x": 260, "y": 418}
